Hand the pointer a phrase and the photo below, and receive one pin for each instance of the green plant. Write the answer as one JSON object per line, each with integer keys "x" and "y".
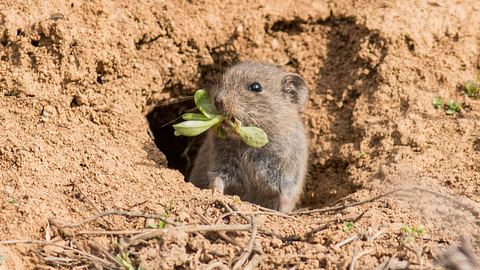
{"x": 348, "y": 226}
{"x": 361, "y": 155}
{"x": 472, "y": 89}
{"x": 12, "y": 201}
{"x": 438, "y": 102}
{"x": 124, "y": 260}
{"x": 197, "y": 123}
{"x": 2, "y": 259}
{"x": 162, "y": 224}
{"x": 411, "y": 232}
{"x": 453, "y": 107}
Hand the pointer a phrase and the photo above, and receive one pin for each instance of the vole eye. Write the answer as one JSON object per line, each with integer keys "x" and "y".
{"x": 255, "y": 87}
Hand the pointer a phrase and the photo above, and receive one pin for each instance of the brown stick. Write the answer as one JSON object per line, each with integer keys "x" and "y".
{"x": 152, "y": 233}
{"x": 248, "y": 249}
{"x": 221, "y": 234}
{"x": 125, "y": 232}
{"x": 44, "y": 243}
{"x": 105, "y": 252}
{"x": 355, "y": 257}
{"x": 214, "y": 265}
{"x": 346, "y": 241}
{"x": 341, "y": 207}
{"x": 344, "y": 206}
{"x": 241, "y": 213}
{"x": 254, "y": 262}
{"x": 111, "y": 212}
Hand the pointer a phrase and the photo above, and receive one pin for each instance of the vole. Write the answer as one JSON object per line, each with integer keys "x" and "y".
{"x": 272, "y": 176}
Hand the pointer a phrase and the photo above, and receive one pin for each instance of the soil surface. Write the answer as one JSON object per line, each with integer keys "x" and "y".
{"x": 88, "y": 90}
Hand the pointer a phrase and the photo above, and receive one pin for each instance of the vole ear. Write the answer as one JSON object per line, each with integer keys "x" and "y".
{"x": 295, "y": 89}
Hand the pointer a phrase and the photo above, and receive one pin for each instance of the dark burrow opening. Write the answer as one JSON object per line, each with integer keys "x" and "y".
{"x": 180, "y": 151}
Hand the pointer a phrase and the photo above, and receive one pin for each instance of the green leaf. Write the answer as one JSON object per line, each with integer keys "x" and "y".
{"x": 124, "y": 260}
{"x": 472, "y": 89}
{"x": 437, "y": 102}
{"x": 195, "y": 127}
{"x": 453, "y": 107}
{"x": 203, "y": 103}
{"x": 253, "y": 136}
{"x": 195, "y": 116}
{"x": 348, "y": 226}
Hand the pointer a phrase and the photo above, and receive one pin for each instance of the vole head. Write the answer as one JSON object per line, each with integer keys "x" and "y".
{"x": 259, "y": 94}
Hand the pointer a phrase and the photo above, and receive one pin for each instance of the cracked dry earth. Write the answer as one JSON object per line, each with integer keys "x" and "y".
{"x": 83, "y": 82}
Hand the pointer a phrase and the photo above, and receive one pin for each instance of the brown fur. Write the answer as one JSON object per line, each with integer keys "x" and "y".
{"x": 271, "y": 176}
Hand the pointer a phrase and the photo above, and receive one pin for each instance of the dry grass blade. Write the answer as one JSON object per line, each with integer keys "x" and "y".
{"x": 217, "y": 265}
{"x": 254, "y": 262}
{"x": 341, "y": 207}
{"x": 109, "y": 213}
{"x": 248, "y": 249}
{"x": 105, "y": 252}
{"x": 125, "y": 232}
{"x": 44, "y": 243}
{"x": 245, "y": 213}
{"x": 344, "y": 206}
{"x": 222, "y": 235}
{"x": 355, "y": 257}
{"x": 347, "y": 241}
{"x": 152, "y": 233}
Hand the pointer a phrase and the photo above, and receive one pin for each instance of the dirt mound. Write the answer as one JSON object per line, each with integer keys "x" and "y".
{"x": 83, "y": 84}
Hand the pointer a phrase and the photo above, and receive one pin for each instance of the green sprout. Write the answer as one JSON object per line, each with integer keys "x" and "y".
{"x": 361, "y": 155}
{"x": 411, "y": 232}
{"x": 438, "y": 102}
{"x": 124, "y": 260}
{"x": 12, "y": 201}
{"x": 472, "y": 89}
{"x": 197, "y": 123}
{"x": 348, "y": 226}
{"x": 453, "y": 107}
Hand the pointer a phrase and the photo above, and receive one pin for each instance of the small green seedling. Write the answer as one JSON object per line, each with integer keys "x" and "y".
{"x": 197, "y": 123}
{"x": 2, "y": 259}
{"x": 472, "y": 89}
{"x": 348, "y": 226}
{"x": 159, "y": 225}
{"x": 361, "y": 155}
{"x": 124, "y": 260}
{"x": 12, "y": 201}
{"x": 438, "y": 102}
{"x": 412, "y": 232}
{"x": 453, "y": 107}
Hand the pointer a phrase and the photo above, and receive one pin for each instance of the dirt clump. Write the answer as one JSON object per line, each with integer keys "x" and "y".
{"x": 82, "y": 83}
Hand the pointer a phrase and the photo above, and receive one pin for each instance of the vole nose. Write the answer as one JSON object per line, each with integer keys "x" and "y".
{"x": 219, "y": 104}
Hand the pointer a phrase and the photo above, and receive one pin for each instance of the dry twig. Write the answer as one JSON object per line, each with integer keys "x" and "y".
{"x": 356, "y": 256}
{"x": 244, "y": 213}
{"x": 108, "y": 213}
{"x": 215, "y": 265}
{"x": 248, "y": 249}
{"x": 152, "y": 233}
{"x": 254, "y": 262}
{"x": 222, "y": 235}
{"x": 346, "y": 241}
{"x": 44, "y": 243}
{"x": 344, "y": 206}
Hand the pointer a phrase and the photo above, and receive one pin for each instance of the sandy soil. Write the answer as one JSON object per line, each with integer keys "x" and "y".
{"x": 82, "y": 82}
